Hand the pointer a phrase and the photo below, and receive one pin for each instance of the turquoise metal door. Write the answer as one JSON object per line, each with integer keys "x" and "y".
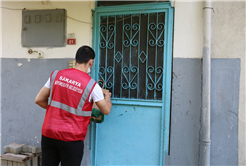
{"x": 133, "y": 57}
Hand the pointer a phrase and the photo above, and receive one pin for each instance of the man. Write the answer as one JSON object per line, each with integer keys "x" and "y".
{"x": 68, "y": 97}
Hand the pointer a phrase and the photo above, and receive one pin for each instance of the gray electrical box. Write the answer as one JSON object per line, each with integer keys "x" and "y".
{"x": 43, "y": 28}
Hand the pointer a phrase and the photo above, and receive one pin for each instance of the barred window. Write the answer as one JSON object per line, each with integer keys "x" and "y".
{"x": 125, "y": 2}
{"x": 131, "y": 52}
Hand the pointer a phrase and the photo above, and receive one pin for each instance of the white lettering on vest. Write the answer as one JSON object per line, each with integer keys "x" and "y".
{"x": 66, "y": 85}
{"x": 70, "y": 81}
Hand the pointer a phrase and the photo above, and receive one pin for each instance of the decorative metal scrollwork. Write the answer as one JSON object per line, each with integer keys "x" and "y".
{"x": 142, "y": 56}
{"x": 130, "y": 38}
{"x": 131, "y": 59}
{"x": 110, "y": 30}
{"x": 155, "y": 85}
{"x": 109, "y": 71}
{"x": 129, "y": 84}
{"x": 118, "y": 56}
{"x": 156, "y": 41}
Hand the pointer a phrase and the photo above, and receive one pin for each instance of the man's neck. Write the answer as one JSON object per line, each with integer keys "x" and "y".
{"x": 82, "y": 67}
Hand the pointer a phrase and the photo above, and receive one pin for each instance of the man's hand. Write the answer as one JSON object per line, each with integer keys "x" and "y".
{"x": 107, "y": 93}
{"x": 105, "y": 105}
{"x": 42, "y": 97}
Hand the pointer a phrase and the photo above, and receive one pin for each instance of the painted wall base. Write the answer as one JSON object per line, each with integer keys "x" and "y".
{"x": 22, "y": 119}
{"x": 186, "y": 134}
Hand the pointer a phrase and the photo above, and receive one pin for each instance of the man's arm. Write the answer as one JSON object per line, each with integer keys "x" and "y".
{"x": 42, "y": 97}
{"x": 105, "y": 105}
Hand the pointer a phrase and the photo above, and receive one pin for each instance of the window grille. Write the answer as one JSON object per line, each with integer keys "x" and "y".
{"x": 114, "y": 3}
{"x": 131, "y": 52}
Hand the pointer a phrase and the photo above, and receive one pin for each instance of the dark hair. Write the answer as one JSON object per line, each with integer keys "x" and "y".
{"x": 84, "y": 54}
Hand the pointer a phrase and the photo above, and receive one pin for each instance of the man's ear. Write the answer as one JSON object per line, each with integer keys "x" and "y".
{"x": 91, "y": 62}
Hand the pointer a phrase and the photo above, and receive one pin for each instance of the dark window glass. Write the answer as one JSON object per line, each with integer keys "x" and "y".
{"x": 124, "y": 2}
{"x": 131, "y": 55}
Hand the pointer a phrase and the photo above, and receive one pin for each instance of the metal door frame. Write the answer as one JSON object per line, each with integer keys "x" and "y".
{"x": 167, "y": 67}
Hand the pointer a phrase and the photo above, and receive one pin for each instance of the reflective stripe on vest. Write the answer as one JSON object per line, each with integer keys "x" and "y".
{"x": 78, "y": 111}
{"x": 72, "y": 110}
{"x": 86, "y": 93}
{"x": 51, "y": 84}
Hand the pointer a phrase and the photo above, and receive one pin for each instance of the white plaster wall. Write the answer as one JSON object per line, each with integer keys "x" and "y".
{"x": 188, "y": 35}
{"x": 12, "y": 20}
{"x": 228, "y": 41}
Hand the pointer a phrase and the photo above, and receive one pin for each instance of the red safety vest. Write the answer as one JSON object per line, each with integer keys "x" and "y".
{"x": 69, "y": 110}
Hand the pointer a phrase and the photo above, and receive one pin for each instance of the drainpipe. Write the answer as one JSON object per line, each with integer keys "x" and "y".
{"x": 206, "y": 141}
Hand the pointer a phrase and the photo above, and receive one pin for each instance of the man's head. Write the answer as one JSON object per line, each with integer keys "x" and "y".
{"x": 84, "y": 55}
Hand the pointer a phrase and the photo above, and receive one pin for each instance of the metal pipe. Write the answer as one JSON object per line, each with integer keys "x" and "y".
{"x": 206, "y": 83}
